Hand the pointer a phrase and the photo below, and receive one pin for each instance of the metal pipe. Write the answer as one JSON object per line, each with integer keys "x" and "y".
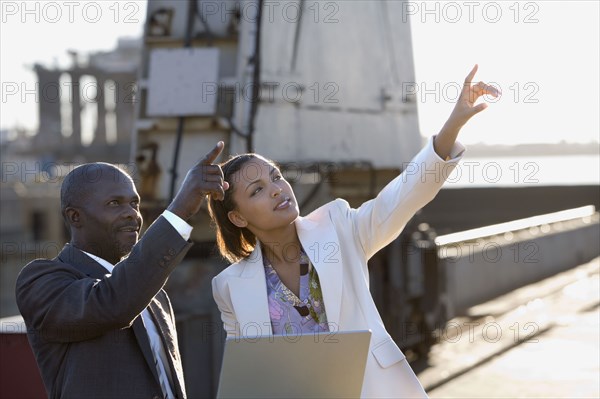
{"x": 189, "y": 28}
{"x": 255, "y": 82}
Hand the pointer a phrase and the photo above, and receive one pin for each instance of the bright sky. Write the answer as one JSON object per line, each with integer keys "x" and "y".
{"x": 544, "y": 56}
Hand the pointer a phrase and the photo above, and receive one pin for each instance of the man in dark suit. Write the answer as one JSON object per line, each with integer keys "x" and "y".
{"x": 98, "y": 321}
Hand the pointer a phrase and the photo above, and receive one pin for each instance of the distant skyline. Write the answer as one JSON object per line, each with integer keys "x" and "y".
{"x": 544, "y": 55}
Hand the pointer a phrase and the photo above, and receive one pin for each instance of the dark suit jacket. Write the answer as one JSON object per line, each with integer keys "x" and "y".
{"x": 84, "y": 325}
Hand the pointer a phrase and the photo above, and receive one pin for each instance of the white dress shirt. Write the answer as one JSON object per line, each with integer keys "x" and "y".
{"x": 158, "y": 350}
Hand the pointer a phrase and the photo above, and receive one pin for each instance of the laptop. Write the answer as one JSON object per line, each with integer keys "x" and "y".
{"x": 316, "y": 365}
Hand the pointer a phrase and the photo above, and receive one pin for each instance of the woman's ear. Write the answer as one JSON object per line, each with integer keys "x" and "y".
{"x": 73, "y": 216}
{"x": 237, "y": 219}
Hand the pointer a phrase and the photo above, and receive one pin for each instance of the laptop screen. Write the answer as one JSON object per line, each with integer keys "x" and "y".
{"x": 319, "y": 365}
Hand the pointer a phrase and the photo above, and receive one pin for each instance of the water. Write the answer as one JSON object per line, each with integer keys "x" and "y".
{"x": 524, "y": 171}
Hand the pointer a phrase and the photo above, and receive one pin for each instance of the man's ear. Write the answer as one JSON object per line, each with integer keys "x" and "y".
{"x": 237, "y": 219}
{"x": 73, "y": 216}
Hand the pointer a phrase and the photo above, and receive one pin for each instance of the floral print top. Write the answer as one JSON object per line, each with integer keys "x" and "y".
{"x": 291, "y": 314}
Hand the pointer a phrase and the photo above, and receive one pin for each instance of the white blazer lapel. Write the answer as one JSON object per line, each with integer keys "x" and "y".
{"x": 251, "y": 311}
{"x": 322, "y": 246}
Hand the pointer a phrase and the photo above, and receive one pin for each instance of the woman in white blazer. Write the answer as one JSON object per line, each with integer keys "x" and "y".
{"x": 259, "y": 229}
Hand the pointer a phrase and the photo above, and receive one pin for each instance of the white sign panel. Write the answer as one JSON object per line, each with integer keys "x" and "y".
{"x": 182, "y": 82}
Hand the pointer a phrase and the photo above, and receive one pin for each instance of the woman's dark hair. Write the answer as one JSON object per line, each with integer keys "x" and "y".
{"x": 234, "y": 243}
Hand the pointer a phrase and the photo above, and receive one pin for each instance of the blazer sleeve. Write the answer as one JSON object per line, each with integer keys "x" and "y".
{"x": 62, "y": 304}
{"x": 379, "y": 221}
{"x": 230, "y": 325}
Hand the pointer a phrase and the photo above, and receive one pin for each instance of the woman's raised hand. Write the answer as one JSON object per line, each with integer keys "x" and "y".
{"x": 465, "y": 107}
